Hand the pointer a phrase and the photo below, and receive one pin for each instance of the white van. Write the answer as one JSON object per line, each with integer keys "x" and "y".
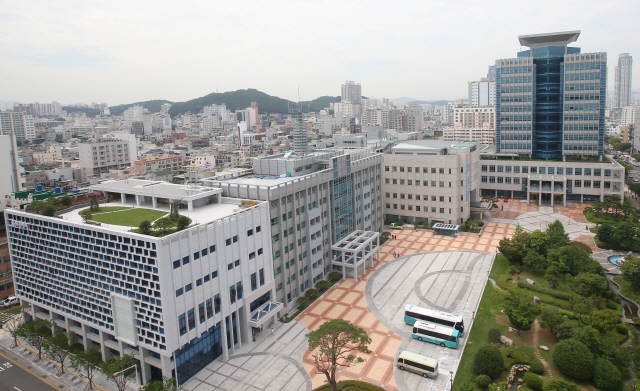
{"x": 425, "y": 366}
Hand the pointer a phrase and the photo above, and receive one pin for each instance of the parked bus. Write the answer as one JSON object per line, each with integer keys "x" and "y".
{"x": 435, "y": 333}
{"x": 413, "y": 313}
{"x": 425, "y": 366}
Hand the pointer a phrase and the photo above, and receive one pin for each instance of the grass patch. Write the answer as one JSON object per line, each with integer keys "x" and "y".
{"x": 108, "y": 209}
{"x": 500, "y": 266}
{"x": 479, "y": 335}
{"x": 350, "y": 385}
{"x": 626, "y": 289}
{"x": 130, "y": 217}
{"x": 610, "y": 218}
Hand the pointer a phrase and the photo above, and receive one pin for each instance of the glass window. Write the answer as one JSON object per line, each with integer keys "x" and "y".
{"x": 560, "y": 170}
{"x": 569, "y": 171}
{"x": 534, "y": 170}
{"x": 578, "y": 171}
{"x": 239, "y": 290}
{"x": 199, "y": 282}
{"x": 214, "y": 274}
{"x": 261, "y": 274}
{"x": 209, "y": 308}
{"x": 201, "y": 313}
{"x": 207, "y": 278}
{"x": 254, "y": 282}
{"x": 179, "y": 292}
{"x": 543, "y": 170}
{"x": 182, "y": 323}
{"x": 500, "y": 168}
{"x": 597, "y": 171}
{"x": 191, "y": 318}
{"x": 525, "y": 169}
{"x": 516, "y": 169}
{"x": 607, "y": 172}
{"x": 188, "y": 287}
{"x": 212, "y": 248}
{"x": 185, "y": 260}
{"x": 176, "y": 264}
{"x": 216, "y": 302}
{"x": 235, "y": 238}
{"x": 587, "y": 171}
{"x": 232, "y": 293}
{"x": 228, "y": 242}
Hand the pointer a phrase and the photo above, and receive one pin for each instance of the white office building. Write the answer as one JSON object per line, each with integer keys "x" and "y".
{"x": 11, "y": 179}
{"x": 482, "y": 93}
{"x": 175, "y": 302}
{"x": 623, "y": 81}
{"x": 19, "y": 123}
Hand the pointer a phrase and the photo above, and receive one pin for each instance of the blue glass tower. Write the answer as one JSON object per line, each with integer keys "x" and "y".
{"x": 550, "y": 100}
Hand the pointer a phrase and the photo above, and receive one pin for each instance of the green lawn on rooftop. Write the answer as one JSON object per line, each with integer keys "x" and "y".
{"x": 128, "y": 217}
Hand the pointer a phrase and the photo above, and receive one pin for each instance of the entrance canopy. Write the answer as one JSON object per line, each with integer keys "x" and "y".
{"x": 356, "y": 252}
{"x": 445, "y": 229}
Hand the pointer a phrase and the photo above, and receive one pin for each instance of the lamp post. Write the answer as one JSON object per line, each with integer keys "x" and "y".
{"x": 474, "y": 315}
{"x": 451, "y": 373}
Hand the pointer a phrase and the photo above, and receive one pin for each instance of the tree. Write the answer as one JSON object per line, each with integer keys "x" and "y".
{"x": 86, "y": 215}
{"x": 551, "y": 317}
{"x": 494, "y": 335}
{"x": 93, "y": 205}
{"x": 482, "y": 381}
{"x": 581, "y": 306}
{"x": 12, "y": 326}
{"x": 66, "y": 200}
{"x": 520, "y": 310}
{"x": 573, "y": 359}
{"x": 556, "y": 235}
{"x": 49, "y": 210}
{"x": 561, "y": 385}
{"x": 537, "y": 367}
{"x": 534, "y": 261}
{"x": 589, "y": 336}
{"x": 604, "y": 320}
{"x": 552, "y": 275}
{"x": 625, "y": 235}
{"x": 120, "y": 370}
{"x": 166, "y": 384}
{"x": 606, "y": 232}
{"x": 333, "y": 344}
{"x": 36, "y": 333}
{"x": 563, "y": 331}
{"x": 488, "y": 361}
{"x": 627, "y": 207}
{"x": 631, "y": 271}
{"x": 597, "y": 206}
{"x": 164, "y": 224}
{"x": 183, "y": 222}
{"x": 36, "y": 206}
{"x": 606, "y": 376}
{"x": 589, "y": 284}
{"x": 145, "y": 227}
{"x": 516, "y": 247}
{"x": 539, "y": 241}
{"x": 57, "y": 347}
{"x": 86, "y": 362}
{"x": 533, "y": 381}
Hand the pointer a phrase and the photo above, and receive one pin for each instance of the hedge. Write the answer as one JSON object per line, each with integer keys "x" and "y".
{"x": 546, "y": 291}
{"x": 350, "y": 385}
{"x": 503, "y": 281}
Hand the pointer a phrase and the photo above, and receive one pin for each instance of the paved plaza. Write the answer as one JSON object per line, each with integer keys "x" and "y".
{"x": 546, "y": 215}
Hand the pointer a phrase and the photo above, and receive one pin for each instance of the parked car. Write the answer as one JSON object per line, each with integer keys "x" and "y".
{"x": 394, "y": 226}
{"x": 9, "y": 301}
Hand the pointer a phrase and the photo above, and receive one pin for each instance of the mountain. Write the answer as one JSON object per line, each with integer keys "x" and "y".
{"x": 152, "y": 105}
{"x": 403, "y": 100}
{"x": 89, "y": 112}
{"x": 432, "y": 102}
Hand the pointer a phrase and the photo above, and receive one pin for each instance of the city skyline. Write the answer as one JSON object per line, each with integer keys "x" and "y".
{"x": 112, "y": 53}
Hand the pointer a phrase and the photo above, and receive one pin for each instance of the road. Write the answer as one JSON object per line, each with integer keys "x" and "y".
{"x": 15, "y": 377}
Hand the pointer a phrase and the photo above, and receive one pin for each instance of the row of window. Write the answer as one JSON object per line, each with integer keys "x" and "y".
{"x": 421, "y": 209}
{"x": 546, "y": 170}
{"x": 411, "y": 182}
{"x": 205, "y": 311}
{"x": 423, "y": 197}
{"x": 423, "y": 170}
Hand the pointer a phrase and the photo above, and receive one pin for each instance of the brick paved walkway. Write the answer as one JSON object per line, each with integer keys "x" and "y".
{"x": 346, "y": 300}
{"x": 574, "y": 212}
{"x": 512, "y": 209}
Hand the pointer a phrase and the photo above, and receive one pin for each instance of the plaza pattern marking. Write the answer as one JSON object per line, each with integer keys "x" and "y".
{"x": 512, "y": 209}
{"x": 346, "y": 300}
{"x": 588, "y": 240}
{"x": 575, "y": 212}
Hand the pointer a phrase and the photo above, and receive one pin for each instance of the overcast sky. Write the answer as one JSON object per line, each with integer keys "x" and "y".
{"x": 127, "y": 51}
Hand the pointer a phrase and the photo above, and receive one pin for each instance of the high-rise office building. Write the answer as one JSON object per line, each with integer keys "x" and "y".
{"x": 551, "y": 99}
{"x": 482, "y": 93}
{"x": 622, "y": 87}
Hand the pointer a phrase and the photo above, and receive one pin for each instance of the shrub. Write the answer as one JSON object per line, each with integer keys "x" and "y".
{"x": 537, "y": 367}
{"x": 488, "y": 361}
{"x": 573, "y": 359}
{"x": 335, "y": 276}
{"x": 560, "y": 385}
{"x": 514, "y": 269}
{"x": 183, "y": 222}
{"x": 49, "y": 210}
{"x": 350, "y": 385}
{"x": 494, "y": 335}
{"x": 622, "y": 329}
{"x": 144, "y": 227}
{"x": 503, "y": 281}
{"x": 533, "y": 381}
{"x": 546, "y": 291}
{"x": 312, "y": 294}
{"x": 483, "y": 381}
{"x": 400, "y": 221}
{"x": 606, "y": 376}
{"x": 561, "y": 303}
{"x": 563, "y": 331}
{"x": 323, "y": 285}
{"x": 611, "y": 305}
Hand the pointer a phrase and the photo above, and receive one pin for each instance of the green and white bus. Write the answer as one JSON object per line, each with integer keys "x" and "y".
{"x": 414, "y": 313}
{"x": 425, "y": 366}
{"x": 435, "y": 333}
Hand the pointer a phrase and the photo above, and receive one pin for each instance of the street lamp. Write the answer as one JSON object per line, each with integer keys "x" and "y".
{"x": 474, "y": 315}
{"x": 451, "y": 373}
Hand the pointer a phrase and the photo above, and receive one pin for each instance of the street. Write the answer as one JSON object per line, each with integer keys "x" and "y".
{"x": 14, "y": 378}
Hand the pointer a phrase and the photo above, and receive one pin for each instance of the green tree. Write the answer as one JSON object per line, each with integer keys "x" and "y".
{"x": 36, "y": 333}
{"x": 86, "y": 215}
{"x": 597, "y": 206}
{"x": 625, "y": 235}
{"x": 557, "y": 236}
{"x": 631, "y": 271}
{"x": 166, "y": 384}
{"x": 589, "y": 336}
{"x": 66, "y": 200}
{"x": 606, "y": 232}
{"x": 93, "y": 205}
{"x": 533, "y": 381}
{"x": 57, "y": 347}
{"x": 563, "y": 331}
{"x": 488, "y": 361}
{"x": 589, "y": 284}
{"x": 534, "y": 261}
{"x": 520, "y": 310}
{"x": 86, "y": 363}
{"x": 571, "y": 259}
{"x": 164, "y": 224}
{"x": 515, "y": 248}
{"x": 627, "y": 207}
{"x": 606, "y": 376}
{"x": 560, "y": 385}
{"x": 581, "y": 306}
{"x": 183, "y": 222}
{"x": 551, "y": 317}
{"x": 537, "y": 367}
{"x": 333, "y": 345}
{"x": 494, "y": 335}
{"x": 49, "y": 210}
{"x": 552, "y": 275}
{"x": 482, "y": 381}
{"x": 539, "y": 242}
{"x": 12, "y": 326}
{"x": 36, "y": 206}
{"x": 604, "y": 320}
{"x": 145, "y": 227}
{"x": 120, "y": 370}
{"x": 573, "y": 359}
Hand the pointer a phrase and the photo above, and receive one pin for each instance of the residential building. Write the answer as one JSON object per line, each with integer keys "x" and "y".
{"x": 482, "y": 93}
{"x": 18, "y": 123}
{"x": 51, "y": 110}
{"x": 315, "y": 200}
{"x": 551, "y": 99}
{"x": 484, "y": 134}
{"x": 430, "y": 181}
{"x": 158, "y": 162}
{"x": 11, "y": 178}
{"x": 176, "y": 302}
{"x": 475, "y": 117}
{"x": 98, "y": 157}
{"x": 623, "y": 79}
{"x": 6, "y": 277}
{"x": 350, "y": 104}
{"x": 630, "y": 116}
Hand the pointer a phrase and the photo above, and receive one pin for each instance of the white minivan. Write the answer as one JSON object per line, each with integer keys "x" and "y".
{"x": 425, "y": 366}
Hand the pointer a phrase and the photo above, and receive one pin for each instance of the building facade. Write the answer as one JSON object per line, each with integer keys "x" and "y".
{"x": 482, "y": 93}
{"x": 101, "y": 156}
{"x": 551, "y": 99}
{"x": 176, "y": 302}
{"x": 623, "y": 79}
{"x": 19, "y": 123}
{"x": 12, "y": 176}
{"x": 430, "y": 181}
{"x": 158, "y": 162}
{"x": 315, "y": 201}
{"x": 484, "y": 134}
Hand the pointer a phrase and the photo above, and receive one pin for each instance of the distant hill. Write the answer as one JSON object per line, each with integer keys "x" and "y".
{"x": 89, "y": 112}
{"x": 152, "y": 105}
{"x": 432, "y": 102}
{"x": 404, "y": 99}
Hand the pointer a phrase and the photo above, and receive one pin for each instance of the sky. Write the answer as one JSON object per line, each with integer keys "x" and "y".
{"x": 127, "y": 51}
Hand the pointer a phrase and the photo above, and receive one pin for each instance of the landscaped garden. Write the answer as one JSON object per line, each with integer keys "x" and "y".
{"x": 131, "y": 217}
{"x": 618, "y": 224}
{"x": 549, "y": 293}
